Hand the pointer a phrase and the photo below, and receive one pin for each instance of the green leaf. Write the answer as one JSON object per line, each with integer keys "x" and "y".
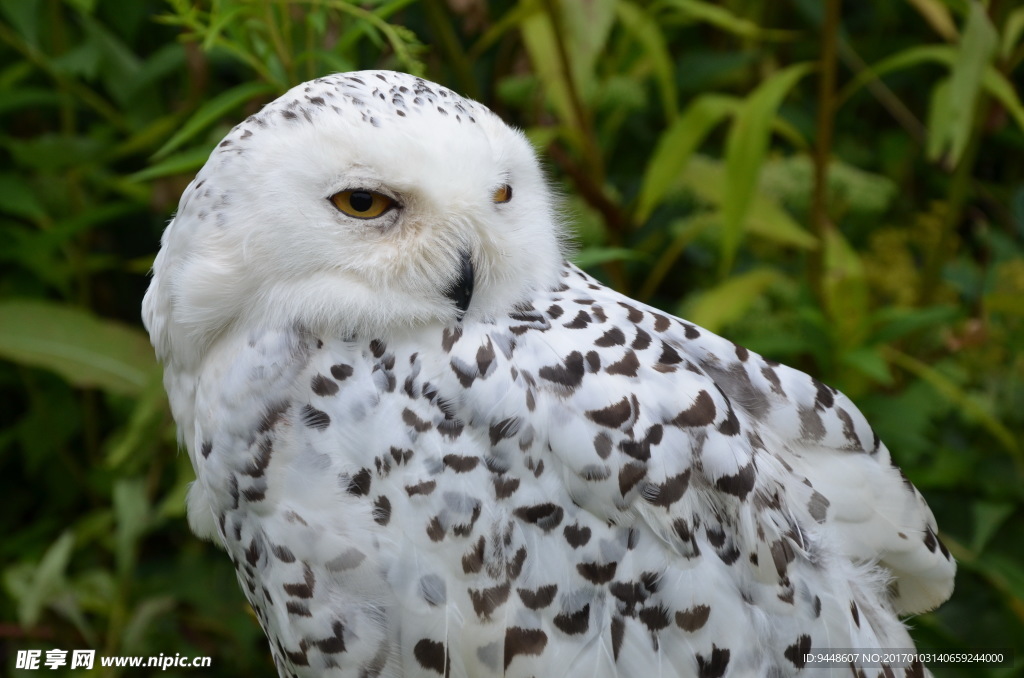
{"x": 141, "y": 428}
{"x": 18, "y": 198}
{"x": 219, "y": 23}
{"x": 186, "y": 162}
{"x": 514, "y": 16}
{"x": 84, "y": 6}
{"x": 850, "y": 190}
{"x": 1001, "y": 302}
{"x": 938, "y": 17}
{"x": 996, "y": 84}
{"x": 868, "y": 360}
{"x": 676, "y": 145}
{"x": 119, "y": 65}
{"x": 83, "y": 60}
{"x": 891, "y": 324}
{"x": 132, "y": 515}
{"x": 1013, "y": 28}
{"x": 24, "y": 16}
{"x": 728, "y": 301}
{"x": 912, "y": 56}
{"x": 1006, "y": 574}
{"x": 142, "y": 618}
{"x": 592, "y": 256}
{"x": 974, "y": 54}
{"x": 35, "y": 98}
{"x": 846, "y": 290}
{"x": 51, "y": 152}
{"x": 95, "y": 591}
{"x": 720, "y": 17}
{"x": 541, "y": 44}
{"x": 646, "y": 31}
{"x": 969, "y": 406}
{"x": 94, "y": 527}
{"x": 563, "y": 59}
{"x": 988, "y": 518}
{"x": 166, "y": 61}
{"x": 212, "y": 111}
{"x": 173, "y": 503}
{"x": 93, "y": 217}
{"x": 746, "y": 148}
{"x": 587, "y": 26}
{"x": 35, "y": 587}
{"x": 767, "y": 218}
{"x": 87, "y": 351}
{"x": 67, "y": 605}
{"x": 683, "y": 231}
{"x": 940, "y": 117}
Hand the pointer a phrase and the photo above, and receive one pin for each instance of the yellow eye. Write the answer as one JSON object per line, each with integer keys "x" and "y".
{"x": 502, "y": 194}
{"x": 362, "y": 204}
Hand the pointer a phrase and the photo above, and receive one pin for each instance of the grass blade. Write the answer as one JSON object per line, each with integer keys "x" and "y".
{"x": 746, "y": 148}
{"x": 211, "y": 112}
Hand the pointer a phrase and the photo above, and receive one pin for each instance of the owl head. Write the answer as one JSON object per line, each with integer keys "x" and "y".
{"x": 361, "y": 203}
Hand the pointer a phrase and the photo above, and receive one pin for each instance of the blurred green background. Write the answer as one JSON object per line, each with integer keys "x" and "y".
{"x": 838, "y": 188}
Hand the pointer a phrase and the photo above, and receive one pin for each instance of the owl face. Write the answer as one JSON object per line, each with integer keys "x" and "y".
{"x": 369, "y": 202}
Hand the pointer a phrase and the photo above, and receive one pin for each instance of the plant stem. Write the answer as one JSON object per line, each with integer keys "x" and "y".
{"x": 594, "y": 194}
{"x": 277, "y": 40}
{"x": 448, "y": 40}
{"x": 820, "y": 223}
{"x": 885, "y": 96}
{"x": 86, "y": 95}
{"x": 590, "y": 151}
{"x": 668, "y": 258}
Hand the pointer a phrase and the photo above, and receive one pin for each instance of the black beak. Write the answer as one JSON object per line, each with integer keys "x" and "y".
{"x": 462, "y": 291}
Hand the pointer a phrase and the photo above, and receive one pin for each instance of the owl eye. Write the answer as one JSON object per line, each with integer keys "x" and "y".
{"x": 362, "y": 204}
{"x": 502, "y": 194}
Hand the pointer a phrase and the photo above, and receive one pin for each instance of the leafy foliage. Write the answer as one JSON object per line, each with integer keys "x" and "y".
{"x": 839, "y": 190}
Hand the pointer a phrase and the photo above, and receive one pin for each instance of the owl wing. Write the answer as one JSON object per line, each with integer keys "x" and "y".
{"x": 853, "y": 487}
{"x": 835, "y": 471}
{"x": 769, "y": 493}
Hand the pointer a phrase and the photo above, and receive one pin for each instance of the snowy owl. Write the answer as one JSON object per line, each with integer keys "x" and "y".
{"x": 432, "y": 447}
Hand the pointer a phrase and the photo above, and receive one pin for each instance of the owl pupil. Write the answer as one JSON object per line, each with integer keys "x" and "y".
{"x": 361, "y": 201}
